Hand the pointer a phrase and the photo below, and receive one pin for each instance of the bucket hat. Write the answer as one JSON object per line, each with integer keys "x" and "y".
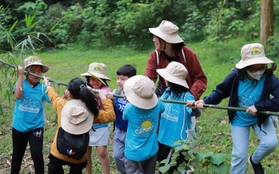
{"x": 34, "y": 60}
{"x": 98, "y": 70}
{"x": 252, "y": 54}
{"x": 175, "y": 73}
{"x": 76, "y": 118}
{"x": 167, "y": 31}
{"x": 140, "y": 91}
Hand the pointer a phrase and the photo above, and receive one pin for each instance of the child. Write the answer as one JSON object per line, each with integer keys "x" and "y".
{"x": 142, "y": 113}
{"x": 28, "y": 115}
{"x": 96, "y": 78}
{"x": 178, "y": 121}
{"x": 123, "y": 73}
{"x": 249, "y": 86}
{"x": 76, "y": 90}
{"x": 81, "y": 98}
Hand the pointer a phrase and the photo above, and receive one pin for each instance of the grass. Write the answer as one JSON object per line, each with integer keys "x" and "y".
{"x": 213, "y": 128}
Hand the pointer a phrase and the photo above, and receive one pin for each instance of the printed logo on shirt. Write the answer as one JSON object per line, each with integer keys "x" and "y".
{"x": 171, "y": 113}
{"x": 121, "y": 107}
{"x": 30, "y": 105}
{"x": 146, "y": 126}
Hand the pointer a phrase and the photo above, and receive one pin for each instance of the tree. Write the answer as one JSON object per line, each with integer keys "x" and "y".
{"x": 267, "y": 25}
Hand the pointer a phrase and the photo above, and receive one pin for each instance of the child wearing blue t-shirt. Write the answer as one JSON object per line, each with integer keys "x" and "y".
{"x": 142, "y": 113}
{"x": 177, "y": 123}
{"x": 120, "y": 125}
{"x": 28, "y": 115}
{"x": 249, "y": 85}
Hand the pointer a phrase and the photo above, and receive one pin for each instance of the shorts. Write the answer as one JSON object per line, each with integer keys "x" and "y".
{"x": 99, "y": 137}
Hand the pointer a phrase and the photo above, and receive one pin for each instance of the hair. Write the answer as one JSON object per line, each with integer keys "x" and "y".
{"x": 88, "y": 81}
{"x": 177, "y": 47}
{"x": 127, "y": 70}
{"x": 78, "y": 90}
{"x": 242, "y": 72}
{"x": 176, "y": 89}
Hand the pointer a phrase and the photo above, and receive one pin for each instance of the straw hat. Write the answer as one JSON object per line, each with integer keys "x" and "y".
{"x": 252, "y": 54}
{"x": 140, "y": 91}
{"x": 34, "y": 60}
{"x": 76, "y": 118}
{"x": 175, "y": 73}
{"x": 98, "y": 70}
{"x": 167, "y": 31}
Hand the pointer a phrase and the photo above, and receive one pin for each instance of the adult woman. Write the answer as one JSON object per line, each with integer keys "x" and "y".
{"x": 249, "y": 86}
{"x": 170, "y": 47}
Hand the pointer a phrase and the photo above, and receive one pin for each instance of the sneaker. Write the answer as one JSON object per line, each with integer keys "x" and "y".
{"x": 258, "y": 168}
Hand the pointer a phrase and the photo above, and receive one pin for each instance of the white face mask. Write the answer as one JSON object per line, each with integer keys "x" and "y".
{"x": 256, "y": 75}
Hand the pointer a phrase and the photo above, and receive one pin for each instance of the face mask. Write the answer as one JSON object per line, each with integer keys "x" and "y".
{"x": 256, "y": 75}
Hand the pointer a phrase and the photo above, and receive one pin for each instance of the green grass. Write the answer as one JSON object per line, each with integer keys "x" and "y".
{"x": 213, "y": 128}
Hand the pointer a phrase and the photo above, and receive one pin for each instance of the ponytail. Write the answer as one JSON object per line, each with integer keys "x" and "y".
{"x": 78, "y": 89}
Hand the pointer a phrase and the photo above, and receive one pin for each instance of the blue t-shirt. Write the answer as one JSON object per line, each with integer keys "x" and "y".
{"x": 175, "y": 120}
{"x": 29, "y": 111}
{"x": 249, "y": 92}
{"x": 119, "y": 104}
{"x": 141, "y": 138}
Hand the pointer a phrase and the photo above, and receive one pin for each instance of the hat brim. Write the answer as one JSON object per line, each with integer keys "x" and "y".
{"x": 44, "y": 67}
{"x": 101, "y": 76}
{"x": 168, "y": 38}
{"x": 75, "y": 129}
{"x": 258, "y": 60}
{"x": 173, "y": 79}
{"x": 143, "y": 103}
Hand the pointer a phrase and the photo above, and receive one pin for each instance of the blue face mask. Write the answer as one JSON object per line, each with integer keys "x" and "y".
{"x": 256, "y": 75}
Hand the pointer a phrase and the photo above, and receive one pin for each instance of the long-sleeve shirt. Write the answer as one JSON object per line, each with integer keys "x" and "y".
{"x": 196, "y": 79}
{"x": 104, "y": 116}
{"x": 229, "y": 87}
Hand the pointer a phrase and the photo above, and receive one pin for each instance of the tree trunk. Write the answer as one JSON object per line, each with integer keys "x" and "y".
{"x": 267, "y": 26}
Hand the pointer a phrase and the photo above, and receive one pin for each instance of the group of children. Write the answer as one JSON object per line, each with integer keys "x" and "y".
{"x": 136, "y": 117}
{"x": 141, "y": 118}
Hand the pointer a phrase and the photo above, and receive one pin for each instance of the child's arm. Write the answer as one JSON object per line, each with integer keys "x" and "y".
{"x": 107, "y": 114}
{"x": 18, "y": 88}
{"x": 56, "y": 101}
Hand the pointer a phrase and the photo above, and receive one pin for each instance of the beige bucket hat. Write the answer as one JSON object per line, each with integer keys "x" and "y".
{"x": 34, "y": 60}
{"x": 175, "y": 73}
{"x": 252, "y": 54}
{"x": 140, "y": 91}
{"x": 98, "y": 70}
{"x": 167, "y": 31}
{"x": 76, "y": 118}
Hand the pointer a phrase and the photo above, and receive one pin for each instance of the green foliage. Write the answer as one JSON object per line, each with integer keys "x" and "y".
{"x": 117, "y": 22}
{"x": 272, "y": 51}
{"x": 185, "y": 158}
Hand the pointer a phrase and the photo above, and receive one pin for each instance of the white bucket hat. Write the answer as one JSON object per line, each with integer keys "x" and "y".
{"x": 34, "y": 60}
{"x": 252, "y": 54}
{"x": 175, "y": 73}
{"x": 140, "y": 91}
{"x": 167, "y": 31}
{"x": 76, "y": 118}
{"x": 98, "y": 70}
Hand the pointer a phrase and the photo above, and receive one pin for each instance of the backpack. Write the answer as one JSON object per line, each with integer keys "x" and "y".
{"x": 73, "y": 146}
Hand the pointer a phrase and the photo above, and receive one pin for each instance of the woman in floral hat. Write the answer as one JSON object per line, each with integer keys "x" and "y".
{"x": 28, "y": 115}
